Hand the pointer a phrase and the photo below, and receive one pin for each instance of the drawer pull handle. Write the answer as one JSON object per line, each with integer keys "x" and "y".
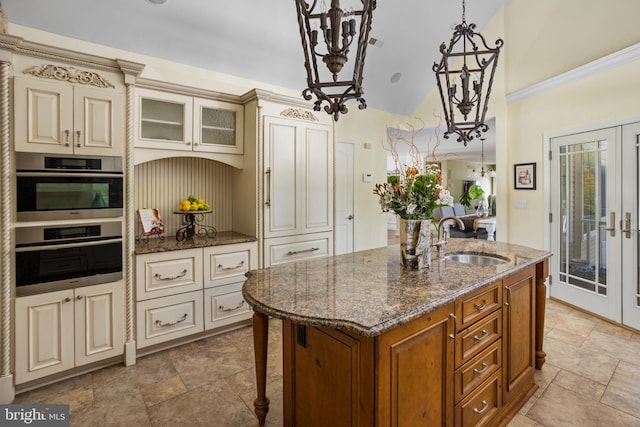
{"x": 223, "y": 309}
{"x": 485, "y": 405}
{"x": 455, "y": 326}
{"x": 66, "y": 138}
{"x": 302, "y": 251}
{"x": 481, "y": 307}
{"x": 484, "y": 335}
{"x": 481, "y": 371}
{"x": 240, "y": 264}
{"x": 78, "y": 139}
{"x": 159, "y": 276}
{"x": 182, "y": 319}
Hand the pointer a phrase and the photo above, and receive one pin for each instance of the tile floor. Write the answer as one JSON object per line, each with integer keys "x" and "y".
{"x": 591, "y": 378}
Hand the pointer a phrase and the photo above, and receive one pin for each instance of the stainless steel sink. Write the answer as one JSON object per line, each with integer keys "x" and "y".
{"x": 476, "y": 259}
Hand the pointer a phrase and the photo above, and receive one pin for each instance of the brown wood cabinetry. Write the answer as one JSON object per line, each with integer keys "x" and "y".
{"x": 519, "y": 333}
{"x": 467, "y": 363}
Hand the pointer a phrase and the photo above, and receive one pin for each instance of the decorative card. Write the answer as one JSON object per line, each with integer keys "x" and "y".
{"x": 150, "y": 221}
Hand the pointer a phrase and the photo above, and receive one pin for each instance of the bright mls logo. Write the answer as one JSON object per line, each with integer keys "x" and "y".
{"x": 34, "y": 415}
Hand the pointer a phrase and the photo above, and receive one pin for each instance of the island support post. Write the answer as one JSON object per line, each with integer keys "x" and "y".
{"x": 542, "y": 272}
{"x": 260, "y": 341}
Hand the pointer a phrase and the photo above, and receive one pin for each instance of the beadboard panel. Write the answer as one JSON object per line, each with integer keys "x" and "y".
{"x": 164, "y": 183}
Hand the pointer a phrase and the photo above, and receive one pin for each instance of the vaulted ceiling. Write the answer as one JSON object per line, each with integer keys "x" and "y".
{"x": 259, "y": 39}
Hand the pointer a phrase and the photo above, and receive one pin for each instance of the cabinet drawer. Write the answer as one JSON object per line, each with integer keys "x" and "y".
{"x": 167, "y": 273}
{"x": 228, "y": 263}
{"x": 475, "y": 306}
{"x": 479, "y": 408}
{"x": 473, "y": 340}
{"x": 296, "y": 248}
{"x": 477, "y": 370}
{"x": 220, "y": 310}
{"x": 164, "y": 319}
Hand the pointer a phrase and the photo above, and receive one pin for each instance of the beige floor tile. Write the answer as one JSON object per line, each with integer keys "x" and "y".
{"x": 557, "y": 307}
{"x": 566, "y": 336}
{"x": 147, "y": 370}
{"x": 199, "y": 369}
{"x": 571, "y": 323}
{"x": 614, "y": 346}
{"x": 162, "y": 390}
{"x": 590, "y": 364}
{"x": 123, "y": 409}
{"x": 242, "y": 381}
{"x": 623, "y": 392}
{"x": 522, "y": 421}
{"x": 42, "y": 394}
{"x": 76, "y": 398}
{"x": 580, "y": 385}
{"x": 207, "y": 406}
{"x": 559, "y": 407}
{"x": 611, "y": 329}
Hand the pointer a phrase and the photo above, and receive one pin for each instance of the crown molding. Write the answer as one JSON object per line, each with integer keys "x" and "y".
{"x": 187, "y": 90}
{"x": 17, "y": 45}
{"x": 621, "y": 57}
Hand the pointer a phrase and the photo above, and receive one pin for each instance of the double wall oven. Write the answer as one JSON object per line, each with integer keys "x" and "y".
{"x": 69, "y": 211}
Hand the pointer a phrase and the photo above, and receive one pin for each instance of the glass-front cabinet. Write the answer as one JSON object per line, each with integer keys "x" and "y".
{"x": 170, "y": 121}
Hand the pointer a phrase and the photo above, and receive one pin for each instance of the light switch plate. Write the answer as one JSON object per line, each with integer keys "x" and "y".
{"x": 367, "y": 177}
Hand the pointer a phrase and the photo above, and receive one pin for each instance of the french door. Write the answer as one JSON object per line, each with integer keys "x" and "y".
{"x": 594, "y": 232}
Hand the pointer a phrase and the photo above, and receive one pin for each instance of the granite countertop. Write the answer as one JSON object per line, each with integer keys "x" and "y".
{"x": 169, "y": 243}
{"x": 369, "y": 292}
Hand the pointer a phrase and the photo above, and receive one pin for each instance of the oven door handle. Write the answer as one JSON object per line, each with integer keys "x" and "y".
{"x": 83, "y": 174}
{"x": 68, "y": 245}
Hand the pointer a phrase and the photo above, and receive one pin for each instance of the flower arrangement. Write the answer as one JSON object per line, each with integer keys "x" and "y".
{"x": 415, "y": 194}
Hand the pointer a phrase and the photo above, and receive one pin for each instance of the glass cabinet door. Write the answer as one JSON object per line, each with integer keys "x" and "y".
{"x": 164, "y": 120}
{"x": 218, "y": 127}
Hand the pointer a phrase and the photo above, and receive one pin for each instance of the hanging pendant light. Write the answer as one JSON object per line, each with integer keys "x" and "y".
{"x": 477, "y": 175}
{"x": 464, "y": 79}
{"x": 337, "y": 29}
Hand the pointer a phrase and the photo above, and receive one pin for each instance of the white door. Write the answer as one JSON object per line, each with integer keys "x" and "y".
{"x": 344, "y": 198}
{"x": 595, "y": 262}
{"x": 99, "y": 322}
{"x": 98, "y": 119}
{"x": 282, "y": 178}
{"x": 630, "y": 234}
{"x": 44, "y": 335}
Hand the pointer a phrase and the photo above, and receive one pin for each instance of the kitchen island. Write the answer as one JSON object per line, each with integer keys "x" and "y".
{"x": 367, "y": 342}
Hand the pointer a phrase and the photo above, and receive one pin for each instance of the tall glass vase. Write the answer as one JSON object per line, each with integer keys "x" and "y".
{"x": 415, "y": 243}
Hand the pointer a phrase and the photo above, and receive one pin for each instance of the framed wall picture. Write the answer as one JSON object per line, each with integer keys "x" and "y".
{"x": 524, "y": 175}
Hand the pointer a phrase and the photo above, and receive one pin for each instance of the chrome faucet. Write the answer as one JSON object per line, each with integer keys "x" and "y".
{"x": 442, "y": 238}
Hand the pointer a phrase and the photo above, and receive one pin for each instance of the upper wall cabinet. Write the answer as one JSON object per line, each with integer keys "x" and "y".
{"x": 61, "y": 118}
{"x": 168, "y": 121}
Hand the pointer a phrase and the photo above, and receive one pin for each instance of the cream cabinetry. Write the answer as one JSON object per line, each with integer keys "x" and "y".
{"x": 60, "y": 330}
{"x": 61, "y": 118}
{"x": 298, "y": 177}
{"x": 289, "y": 155}
{"x": 170, "y": 121}
{"x": 185, "y": 292}
{"x": 225, "y": 268}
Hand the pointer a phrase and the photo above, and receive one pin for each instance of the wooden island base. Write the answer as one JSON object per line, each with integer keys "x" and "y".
{"x": 468, "y": 363}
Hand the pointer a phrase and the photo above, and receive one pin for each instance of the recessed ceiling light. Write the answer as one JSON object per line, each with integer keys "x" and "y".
{"x": 376, "y": 42}
{"x": 157, "y": 1}
{"x": 395, "y": 78}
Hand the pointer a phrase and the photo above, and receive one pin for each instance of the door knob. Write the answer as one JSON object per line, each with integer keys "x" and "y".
{"x": 350, "y": 217}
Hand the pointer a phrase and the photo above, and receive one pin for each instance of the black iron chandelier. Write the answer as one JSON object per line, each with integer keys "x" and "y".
{"x": 473, "y": 71}
{"x": 338, "y": 31}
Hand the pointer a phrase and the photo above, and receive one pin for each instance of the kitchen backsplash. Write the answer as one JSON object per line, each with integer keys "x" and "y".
{"x": 164, "y": 183}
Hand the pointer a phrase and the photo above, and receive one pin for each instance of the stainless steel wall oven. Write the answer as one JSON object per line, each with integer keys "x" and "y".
{"x": 51, "y": 187}
{"x": 57, "y": 257}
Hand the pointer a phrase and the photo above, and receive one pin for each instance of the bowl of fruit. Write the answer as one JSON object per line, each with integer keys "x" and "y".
{"x": 193, "y": 204}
